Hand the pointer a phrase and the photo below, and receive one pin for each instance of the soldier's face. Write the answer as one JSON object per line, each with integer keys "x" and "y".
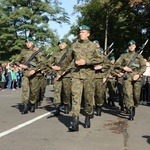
{"x": 62, "y": 46}
{"x": 132, "y": 47}
{"x": 29, "y": 44}
{"x": 84, "y": 34}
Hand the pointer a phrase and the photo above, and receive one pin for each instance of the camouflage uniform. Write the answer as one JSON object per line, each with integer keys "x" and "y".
{"x": 131, "y": 88}
{"x": 29, "y": 83}
{"x": 100, "y": 87}
{"x": 82, "y": 76}
{"x": 57, "y": 84}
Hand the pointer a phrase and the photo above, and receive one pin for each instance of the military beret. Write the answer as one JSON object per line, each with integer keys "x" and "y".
{"x": 35, "y": 44}
{"x": 29, "y": 39}
{"x": 84, "y": 27}
{"x": 101, "y": 49}
{"x": 62, "y": 41}
{"x": 96, "y": 41}
{"x": 112, "y": 58}
{"x": 127, "y": 50}
{"x": 131, "y": 42}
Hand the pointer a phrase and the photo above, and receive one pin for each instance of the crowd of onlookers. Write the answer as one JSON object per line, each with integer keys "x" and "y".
{"x": 10, "y": 77}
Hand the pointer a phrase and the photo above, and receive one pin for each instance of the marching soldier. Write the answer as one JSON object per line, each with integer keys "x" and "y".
{"x": 131, "y": 76}
{"x": 84, "y": 55}
{"x": 29, "y": 79}
{"x": 101, "y": 75}
{"x": 60, "y": 85}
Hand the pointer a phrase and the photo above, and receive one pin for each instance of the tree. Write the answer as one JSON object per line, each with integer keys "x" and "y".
{"x": 22, "y": 18}
{"x": 126, "y": 20}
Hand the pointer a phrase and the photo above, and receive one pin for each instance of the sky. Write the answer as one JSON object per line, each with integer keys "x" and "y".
{"x": 64, "y": 28}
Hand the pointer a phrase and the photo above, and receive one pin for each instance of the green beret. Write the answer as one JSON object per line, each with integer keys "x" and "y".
{"x": 35, "y": 44}
{"x": 101, "y": 49}
{"x": 84, "y": 27}
{"x": 127, "y": 50}
{"x": 112, "y": 58}
{"x": 29, "y": 39}
{"x": 96, "y": 41}
{"x": 62, "y": 41}
{"x": 131, "y": 42}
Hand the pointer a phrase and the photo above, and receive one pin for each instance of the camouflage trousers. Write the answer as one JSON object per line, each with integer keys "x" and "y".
{"x": 100, "y": 89}
{"x": 85, "y": 87}
{"x": 42, "y": 83}
{"x": 66, "y": 90}
{"x": 62, "y": 91}
{"x": 25, "y": 90}
{"x": 131, "y": 91}
{"x": 34, "y": 89}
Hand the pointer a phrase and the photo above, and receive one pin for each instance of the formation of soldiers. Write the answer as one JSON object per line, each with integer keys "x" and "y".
{"x": 83, "y": 73}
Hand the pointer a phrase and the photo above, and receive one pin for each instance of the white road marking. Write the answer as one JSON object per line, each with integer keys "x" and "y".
{"x": 23, "y": 124}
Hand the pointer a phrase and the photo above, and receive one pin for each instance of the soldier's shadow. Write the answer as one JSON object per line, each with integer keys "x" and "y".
{"x": 147, "y": 137}
{"x": 115, "y": 112}
{"x": 18, "y": 106}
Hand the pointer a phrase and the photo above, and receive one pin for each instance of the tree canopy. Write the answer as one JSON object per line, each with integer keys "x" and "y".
{"x": 22, "y": 18}
{"x": 125, "y": 20}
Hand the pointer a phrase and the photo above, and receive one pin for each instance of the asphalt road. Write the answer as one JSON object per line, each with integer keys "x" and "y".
{"x": 43, "y": 131}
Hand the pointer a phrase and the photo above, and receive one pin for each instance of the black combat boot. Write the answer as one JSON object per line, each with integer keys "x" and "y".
{"x": 66, "y": 108}
{"x": 57, "y": 110}
{"x": 75, "y": 125}
{"x": 87, "y": 121}
{"x": 32, "y": 110}
{"x": 131, "y": 114}
{"x": 25, "y": 109}
{"x": 99, "y": 110}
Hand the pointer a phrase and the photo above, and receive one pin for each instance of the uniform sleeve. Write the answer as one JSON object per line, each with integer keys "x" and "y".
{"x": 19, "y": 59}
{"x": 142, "y": 66}
{"x": 67, "y": 61}
{"x": 95, "y": 59}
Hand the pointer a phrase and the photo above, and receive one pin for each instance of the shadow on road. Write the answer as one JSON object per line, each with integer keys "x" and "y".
{"x": 147, "y": 137}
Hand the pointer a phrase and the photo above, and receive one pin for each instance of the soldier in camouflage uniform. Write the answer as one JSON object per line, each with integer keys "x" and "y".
{"x": 62, "y": 85}
{"x": 41, "y": 74}
{"x": 29, "y": 79}
{"x": 84, "y": 55}
{"x": 131, "y": 83}
{"x": 101, "y": 74}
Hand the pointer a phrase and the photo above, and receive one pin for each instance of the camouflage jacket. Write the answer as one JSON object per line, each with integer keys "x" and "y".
{"x": 82, "y": 50}
{"x": 138, "y": 67}
{"x": 105, "y": 71}
{"x": 23, "y": 57}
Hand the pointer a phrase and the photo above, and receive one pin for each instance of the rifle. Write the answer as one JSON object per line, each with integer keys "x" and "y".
{"x": 110, "y": 53}
{"x": 28, "y": 62}
{"x": 134, "y": 57}
{"x": 108, "y": 48}
{"x": 60, "y": 62}
{"x": 49, "y": 55}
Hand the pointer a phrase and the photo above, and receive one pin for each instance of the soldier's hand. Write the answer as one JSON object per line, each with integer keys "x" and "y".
{"x": 136, "y": 77}
{"x": 127, "y": 69}
{"x": 98, "y": 67}
{"x": 120, "y": 74}
{"x": 23, "y": 66}
{"x": 58, "y": 77}
{"x": 31, "y": 72}
{"x": 56, "y": 68}
{"x": 104, "y": 80}
{"x": 80, "y": 62}
{"x": 110, "y": 76}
